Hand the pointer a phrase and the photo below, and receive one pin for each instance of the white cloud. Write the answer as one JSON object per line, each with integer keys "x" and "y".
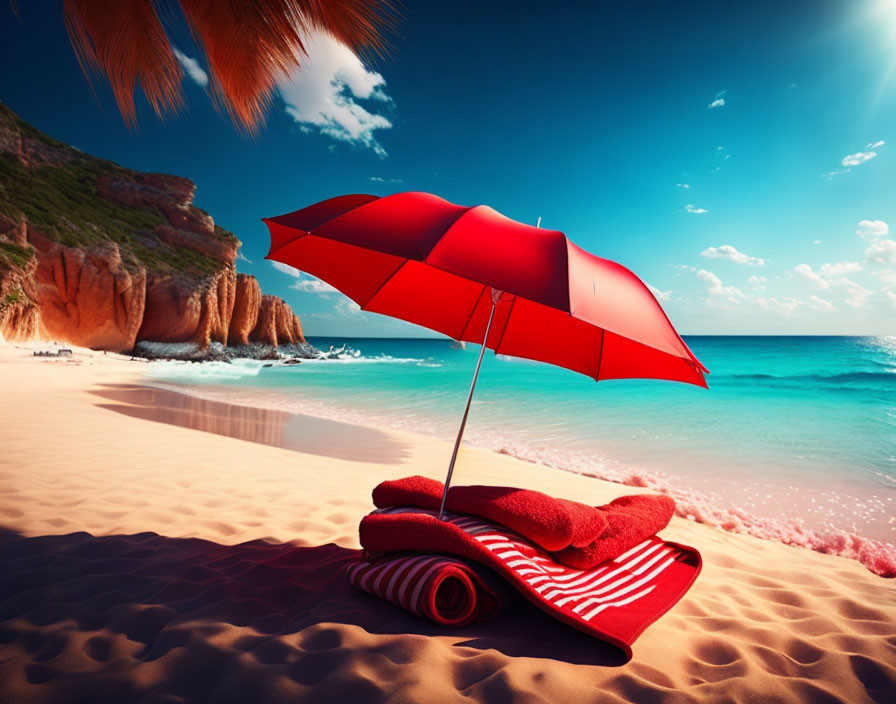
{"x": 817, "y": 241}
{"x": 806, "y": 272}
{"x": 346, "y": 308}
{"x": 683, "y": 185}
{"x": 830, "y": 276}
{"x": 192, "y": 68}
{"x": 660, "y": 295}
{"x": 856, "y": 294}
{"x": 715, "y": 287}
{"x": 322, "y": 93}
{"x": 757, "y": 282}
{"x": 830, "y": 271}
{"x": 719, "y": 100}
{"x": 726, "y": 251}
{"x": 305, "y": 283}
{"x": 285, "y": 268}
{"x": 783, "y": 306}
{"x": 869, "y": 229}
{"x": 820, "y": 303}
{"x": 858, "y": 158}
{"x": 378, "y": 179}
{"x": 312, "y": 285}
{"x": 891, "y": 298}
{"x": 685, "y": 267}
{"x": 697, "y": 211}
{"x": 887, "y": 277}
{"x": 242, "y": 257}
{"x": 882, "y": 252}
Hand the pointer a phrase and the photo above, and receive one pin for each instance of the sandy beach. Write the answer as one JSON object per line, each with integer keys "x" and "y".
{"x": 158, "y": 547}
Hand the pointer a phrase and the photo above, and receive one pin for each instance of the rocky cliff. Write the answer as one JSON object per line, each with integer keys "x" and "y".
{"x": 106, "y": 257}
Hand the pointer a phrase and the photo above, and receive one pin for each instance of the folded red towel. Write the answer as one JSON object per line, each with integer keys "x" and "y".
{"x": 442, "y": 589}
{"x": 554, "y": 524}
{"x": 614, "y": 602}
{"x": 576, "y": 535}
{"x": 630, "y": 520}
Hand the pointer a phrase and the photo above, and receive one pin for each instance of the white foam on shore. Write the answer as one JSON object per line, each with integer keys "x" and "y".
{"x": 378, "y": 359}
{"x": 876, "y": 555}
{"x": 166, "y": 370}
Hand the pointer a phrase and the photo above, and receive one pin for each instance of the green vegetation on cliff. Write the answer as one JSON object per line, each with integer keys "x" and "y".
{"x": 58, "y": 192}
{"x": 12, "y": 255}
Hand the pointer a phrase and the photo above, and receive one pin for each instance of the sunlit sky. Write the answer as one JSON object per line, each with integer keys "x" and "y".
{"x": 739, "y": 157}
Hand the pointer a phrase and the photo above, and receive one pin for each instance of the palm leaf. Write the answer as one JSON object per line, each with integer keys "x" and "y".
{"x": 247, "y": 45}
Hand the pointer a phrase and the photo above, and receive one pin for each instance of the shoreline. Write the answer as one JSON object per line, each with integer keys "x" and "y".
{"x": 878, "y": 556}
{"x": 85, "y": 471}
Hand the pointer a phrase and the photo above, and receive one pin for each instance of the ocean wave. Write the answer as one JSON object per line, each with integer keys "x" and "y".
{"x": 239, "y": 368}
{"x": 887, "y": 377}
{"x": 205, "y": 371}
{"x": 378, "y": 359}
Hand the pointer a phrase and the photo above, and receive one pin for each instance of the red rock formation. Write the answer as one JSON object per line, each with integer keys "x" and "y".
{"x": 88, "y": 296}
{"x": 245, "y": 309}
{"x": 179, "y": 310}
{"x": 188, "y": 226}
{"x": 19, "y": 321}
{"x": 277, "y": 324}
{"x": 133, "y": 260}
{"x": 19, "y": 314}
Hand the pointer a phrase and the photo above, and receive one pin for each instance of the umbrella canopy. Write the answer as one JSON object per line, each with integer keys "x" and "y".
{"x": 420, "y": 258}
{"x": 476, "y": 275}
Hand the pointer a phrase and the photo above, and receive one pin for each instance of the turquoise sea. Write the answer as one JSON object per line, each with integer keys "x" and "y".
{"x": 794, "y": 440}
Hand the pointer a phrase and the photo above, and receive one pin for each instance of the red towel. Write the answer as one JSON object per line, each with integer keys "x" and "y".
{"x": 576, "y": 535}
{"x": 442, "y": 589}
{"x": 554, "y": 524}
{"x": 630, "y": 520}
{"x": 614, "y": 602}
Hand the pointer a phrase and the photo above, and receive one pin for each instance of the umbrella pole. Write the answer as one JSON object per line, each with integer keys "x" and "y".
{"x": 463, "y": 421}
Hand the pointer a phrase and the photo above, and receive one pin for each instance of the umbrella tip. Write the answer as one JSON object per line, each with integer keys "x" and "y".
{"x": 538, "y": 224}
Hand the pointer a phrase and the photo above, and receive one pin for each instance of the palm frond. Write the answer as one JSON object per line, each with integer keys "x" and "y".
{"x": 247, "y": 45}
{"x": 126, "y": 42}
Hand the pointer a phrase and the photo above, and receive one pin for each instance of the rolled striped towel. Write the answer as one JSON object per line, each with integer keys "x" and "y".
{"x": 614, "y": 601}
{"x": 440, "y": 588}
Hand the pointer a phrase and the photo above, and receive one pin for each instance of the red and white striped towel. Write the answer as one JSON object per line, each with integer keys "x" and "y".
{"x": 443, "y": 589}
{"x": 614, "y": 601}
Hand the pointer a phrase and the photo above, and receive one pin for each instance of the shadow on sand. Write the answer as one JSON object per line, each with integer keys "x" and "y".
{"x": 292, "y": 431}
{"x": 151, "y": 618}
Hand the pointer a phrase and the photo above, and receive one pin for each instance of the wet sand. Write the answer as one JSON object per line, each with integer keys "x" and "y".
{"x": 290, "y": 431}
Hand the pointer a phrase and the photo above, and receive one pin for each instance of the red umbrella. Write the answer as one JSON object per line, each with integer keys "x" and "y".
{"x": 478, "y": 276}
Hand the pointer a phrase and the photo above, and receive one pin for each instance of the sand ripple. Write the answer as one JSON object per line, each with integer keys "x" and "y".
{"x": 145, "y": 617}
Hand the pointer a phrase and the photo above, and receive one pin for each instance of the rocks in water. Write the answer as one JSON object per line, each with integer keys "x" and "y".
{"x": 217, "y": 352}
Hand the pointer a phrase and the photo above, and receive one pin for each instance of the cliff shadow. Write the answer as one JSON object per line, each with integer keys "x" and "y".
{"x": 149, "y": 617}
{"x": 291, "y": 431}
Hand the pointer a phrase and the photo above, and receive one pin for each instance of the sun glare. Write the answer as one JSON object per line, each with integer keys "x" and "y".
{"x": 881, "y": 17}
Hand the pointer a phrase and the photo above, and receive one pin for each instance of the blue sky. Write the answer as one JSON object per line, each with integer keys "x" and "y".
{"x": 739, "y": 157}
